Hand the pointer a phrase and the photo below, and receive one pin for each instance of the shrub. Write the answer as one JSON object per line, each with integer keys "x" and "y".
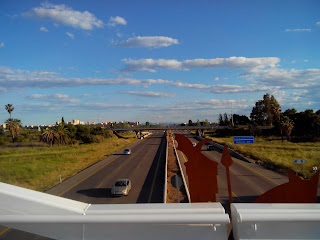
{"x": 2, "y": 140}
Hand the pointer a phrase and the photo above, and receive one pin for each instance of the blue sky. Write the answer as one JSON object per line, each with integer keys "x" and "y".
{"x": 156, "y": 61}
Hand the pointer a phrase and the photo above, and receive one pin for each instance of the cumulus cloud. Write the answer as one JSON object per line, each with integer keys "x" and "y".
{"x": 70, "y": 35}
{"x": 150, "y": 94}
{"x": 151, "y": 65}
{"x": 298, "y": 30}
{"x": 148, "y": 42}
{"x": 43, "y": 29}
{"x": 287, "y": 79}
{"x": 114, "y": 21}
{"x": 62, "y": 14}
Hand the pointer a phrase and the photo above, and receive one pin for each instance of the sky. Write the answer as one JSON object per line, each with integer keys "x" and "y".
{"x": 156, "y": 61}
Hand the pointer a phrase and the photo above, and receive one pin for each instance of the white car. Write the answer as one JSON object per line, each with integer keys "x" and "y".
{"x": 121, "y": 187}
{"x": 127, "y": 151}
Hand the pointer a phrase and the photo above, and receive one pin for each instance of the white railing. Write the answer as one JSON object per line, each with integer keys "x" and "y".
{"x": 60, "y": 218}
{"x": 275, "y": 221}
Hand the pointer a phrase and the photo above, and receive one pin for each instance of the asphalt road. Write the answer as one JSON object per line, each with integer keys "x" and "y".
{"x": 144, "y": 167}
{"x": 248, "y": 180}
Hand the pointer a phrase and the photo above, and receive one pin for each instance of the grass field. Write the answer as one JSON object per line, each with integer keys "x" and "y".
{"x": 39, "y": 167}
{"x": 278, "y": 155}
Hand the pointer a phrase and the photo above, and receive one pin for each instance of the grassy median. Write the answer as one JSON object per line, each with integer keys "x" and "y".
{"x": 277, "y": 154}
{"x": 39, "y": 168}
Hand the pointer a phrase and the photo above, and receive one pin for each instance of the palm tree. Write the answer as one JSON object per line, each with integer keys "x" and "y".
{"x": 62, "y": 133}
{"x": 14, "y": 126}
{"x": 48, "y": 137}
{"x": 9, "y": 108}
{"x": 286, "y": 126}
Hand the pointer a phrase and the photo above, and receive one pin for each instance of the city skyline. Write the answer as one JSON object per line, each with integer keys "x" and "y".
{"x": 167, "y": 61}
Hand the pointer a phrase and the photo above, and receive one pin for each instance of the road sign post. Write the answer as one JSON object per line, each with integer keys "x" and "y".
{"x": 176, "y": 182}
{"x": 243, "y": 140}
{"x": 299, "y": 162}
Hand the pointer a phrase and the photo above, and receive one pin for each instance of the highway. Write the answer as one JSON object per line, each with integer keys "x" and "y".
{"x": 248, "y": 180}
{"x": 144, "y": 167}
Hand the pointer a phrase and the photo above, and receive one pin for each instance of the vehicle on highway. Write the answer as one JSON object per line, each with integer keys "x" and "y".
{"x": 121, "y": 187}
{"x": 127, "y": 151}
{"x": 210, "y": 148}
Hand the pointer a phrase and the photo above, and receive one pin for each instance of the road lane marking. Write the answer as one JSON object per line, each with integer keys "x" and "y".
{"x": 184, "y": 157}
{"x": 155, "y": 175}
{"x": 239, "y": 174}
{"x": 4, "y": 231}
{"x": 259, "y": 174}
{"x": 87, "y": 177}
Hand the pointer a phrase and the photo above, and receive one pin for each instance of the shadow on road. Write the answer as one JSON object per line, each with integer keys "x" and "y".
{"x": 156, "y": 196}
{"x": 96, "y": 192}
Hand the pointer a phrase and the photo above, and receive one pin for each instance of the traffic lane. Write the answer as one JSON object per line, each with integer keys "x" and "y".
{"x": 61, "y": 188}
{"x": 248, "y": 180}
{"x": 96, "y": 188}
{"x": 137, "y": 168}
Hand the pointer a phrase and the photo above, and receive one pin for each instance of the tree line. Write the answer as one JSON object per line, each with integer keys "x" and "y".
{"x": 267, "y": 112}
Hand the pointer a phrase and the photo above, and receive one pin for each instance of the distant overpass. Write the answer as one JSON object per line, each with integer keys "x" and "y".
{"x": 169, "y": 127}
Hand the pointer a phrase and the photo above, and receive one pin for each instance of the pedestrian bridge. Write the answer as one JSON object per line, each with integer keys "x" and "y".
{"x": 61, "y": 218}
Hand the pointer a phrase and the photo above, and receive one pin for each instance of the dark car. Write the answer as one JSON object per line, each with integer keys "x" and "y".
{"x": 210, "y": 148}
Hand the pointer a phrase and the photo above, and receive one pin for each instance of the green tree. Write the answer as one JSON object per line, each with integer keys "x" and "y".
{"x": 266, "y": 112}
{"x": 14, "y": 126}
{"x": 9, "y": 108}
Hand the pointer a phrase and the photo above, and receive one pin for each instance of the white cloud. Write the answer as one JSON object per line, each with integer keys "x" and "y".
{"x": 1, "y": 44}
{"x": 189, "y": 85}
{"x": 151, "y": 65}
{"x": 216, "y": 79}
{"x": 17, "y": 78}
{"x": 62, "y": 98}
{"x": 148, "y": 42}
{"x": 306, "y": 60}
{"x": 61, "y": 14}
{"x": 318, "y": 23}
{"x": 70, "y": 35}
{"x": 113, "y": 21}
{"x": 150, "y": 94}
{"x": 43, "y": 29}
{"x": 287, "y": 79}
{"x": 298, "y": 30}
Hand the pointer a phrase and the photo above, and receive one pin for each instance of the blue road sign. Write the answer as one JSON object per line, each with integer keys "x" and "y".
{"x": 243, "y": 140}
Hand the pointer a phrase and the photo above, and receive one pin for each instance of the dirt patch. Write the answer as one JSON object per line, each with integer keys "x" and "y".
{"x": 173, "y": 169}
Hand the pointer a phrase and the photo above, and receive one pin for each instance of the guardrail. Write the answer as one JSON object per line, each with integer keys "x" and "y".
{"x": 60, "y": 218}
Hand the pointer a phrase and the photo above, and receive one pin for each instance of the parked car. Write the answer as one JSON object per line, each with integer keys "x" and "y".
{"x": 121, "y": 187}
{"x": 210, "y": 148}
{"x": 127, "y": 151}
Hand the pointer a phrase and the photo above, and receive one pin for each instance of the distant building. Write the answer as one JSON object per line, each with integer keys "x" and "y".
{"x": 75, "y": 122}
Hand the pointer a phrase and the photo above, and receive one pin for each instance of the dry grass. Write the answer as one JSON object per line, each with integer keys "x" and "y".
{"x": 277, "y": 154}
{"x": 39, "y": 168}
